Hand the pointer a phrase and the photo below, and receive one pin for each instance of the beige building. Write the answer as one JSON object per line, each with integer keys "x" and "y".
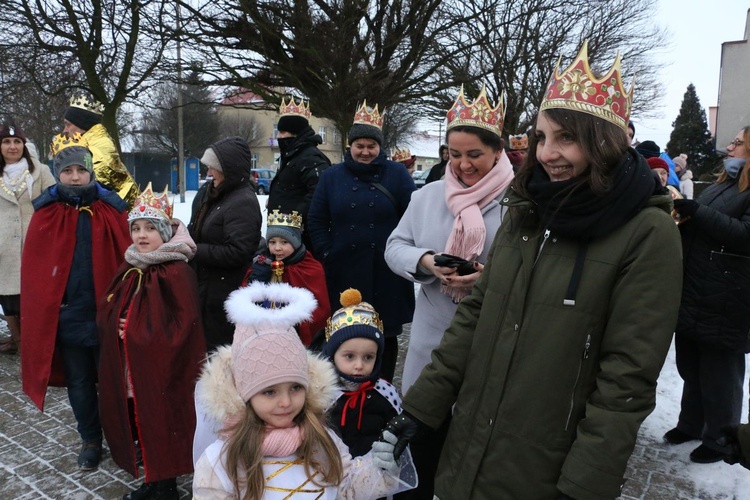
{"x": 240, "y": 114}
{"x": 733, "y": 111}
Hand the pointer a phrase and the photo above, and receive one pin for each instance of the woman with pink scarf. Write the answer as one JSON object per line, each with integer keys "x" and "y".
{"x": 458, "y": 216}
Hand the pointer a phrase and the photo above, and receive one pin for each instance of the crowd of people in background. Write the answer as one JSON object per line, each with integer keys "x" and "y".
{"x": 534, "y": 347}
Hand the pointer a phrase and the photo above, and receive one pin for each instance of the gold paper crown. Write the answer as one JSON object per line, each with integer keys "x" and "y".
{"x": 578, "y": 89}
{"x": 276, "y": 218}
{"x": 293, "y": 108}
{"x": 479, "y": 113}
{"x": 62, "y": 141}
{"x": 401, "y": 155}
{"x": 520, "y": 141}
{"x": 150, "y": 206}
{"x": 363, "y": 116}
{"x": 353, "y": 312}
{"x": 83, "y": 102}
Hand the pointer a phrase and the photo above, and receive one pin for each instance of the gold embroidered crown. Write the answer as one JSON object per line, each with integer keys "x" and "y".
{"x": 520, "y": 141}
{"x": 479, "y": 113}
{"x": 373, "y": 118}
{"x": 578, "y": 89}
{"x": 150, "y": 206}
{"x": 401, "y": 155}
{"x": 83, "y": 102}
{"x": 62, "y": 141}
{"x": 293, "y": 108}
{"x": 276, "y": 218}
{"x": 354, "y": 312}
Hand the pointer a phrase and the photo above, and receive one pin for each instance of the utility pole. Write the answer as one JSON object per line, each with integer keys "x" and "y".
{"x": 180, "y": 138}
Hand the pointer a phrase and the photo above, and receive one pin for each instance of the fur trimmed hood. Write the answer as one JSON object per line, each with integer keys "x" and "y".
{"x": 216, "y": 392}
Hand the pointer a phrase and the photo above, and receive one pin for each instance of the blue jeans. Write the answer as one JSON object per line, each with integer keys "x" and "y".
{"x": 81, "y": 365}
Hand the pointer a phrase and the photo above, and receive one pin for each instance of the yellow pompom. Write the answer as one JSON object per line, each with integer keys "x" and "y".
{"x": 350, "y": 297}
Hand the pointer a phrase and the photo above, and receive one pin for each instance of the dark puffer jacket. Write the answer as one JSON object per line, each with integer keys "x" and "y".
{"x": 715, "y": 307}
{"x": 227, "y": 236}
{"x": 293, "y": 187}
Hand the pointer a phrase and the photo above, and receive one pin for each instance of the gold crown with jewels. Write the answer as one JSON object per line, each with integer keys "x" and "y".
{"x": 479, "y": 113}
{"x": 353, "y": 312}
{"x": 364, "y": 116}
{"x": 62, "y": 141}
{"x": 401, "y": 155}
{"x": 148, "y": 205}
{"x": 293, "y": 108}
{"x": 276, "y": 218}
{"x": 578, "y": 89}
{"x": 83, "y": 102}
{"x": 520, "y": 141}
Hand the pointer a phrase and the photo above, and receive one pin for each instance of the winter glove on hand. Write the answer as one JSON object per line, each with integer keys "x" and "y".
{"x": 382, "y": 454}
{"x": 686, "y": 208}
{"x": 405, "y": 428}
{"x": 729, "y": 439}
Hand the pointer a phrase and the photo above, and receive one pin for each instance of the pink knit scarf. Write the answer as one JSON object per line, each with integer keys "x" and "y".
{"x": 465, "y": 203}
{"x": 281, "y": 442}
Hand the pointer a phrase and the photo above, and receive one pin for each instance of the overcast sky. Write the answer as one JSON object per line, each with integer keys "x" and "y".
{"x": 697, "y": 29}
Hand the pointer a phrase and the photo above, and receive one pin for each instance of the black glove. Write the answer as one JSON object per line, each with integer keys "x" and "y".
{"x": 405, "y": 428}
{"x": 730, "y": 440}
{"x": 686, "y": 208}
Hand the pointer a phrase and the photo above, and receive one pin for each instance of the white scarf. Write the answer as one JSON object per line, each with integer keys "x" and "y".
{"x": 12, "y": 175}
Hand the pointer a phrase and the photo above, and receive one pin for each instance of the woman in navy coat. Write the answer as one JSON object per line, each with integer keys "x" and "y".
{"x": 356, "y": 206}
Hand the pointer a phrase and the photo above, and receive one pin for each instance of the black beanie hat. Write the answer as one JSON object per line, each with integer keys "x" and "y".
{"x": 648, "y": 149}
{"x": 362, "y": 131}
{"x": 82, "y": 118}
{"x": 294, "y": 124}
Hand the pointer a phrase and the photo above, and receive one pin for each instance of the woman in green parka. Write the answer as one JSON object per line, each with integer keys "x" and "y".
{"x": 550, "y": 364}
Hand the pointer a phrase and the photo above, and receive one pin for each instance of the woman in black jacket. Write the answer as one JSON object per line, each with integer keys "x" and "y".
{"x": 226, "y": 227}
{"x": 712, "y": 332}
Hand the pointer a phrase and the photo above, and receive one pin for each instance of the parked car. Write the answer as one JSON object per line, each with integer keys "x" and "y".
{"x": 420, "y": 176}
{"x": 262, "y": 178}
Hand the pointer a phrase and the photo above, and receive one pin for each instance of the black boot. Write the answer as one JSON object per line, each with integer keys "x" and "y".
{"x": 90, "y": 455}
{"x": 159, "y": 490}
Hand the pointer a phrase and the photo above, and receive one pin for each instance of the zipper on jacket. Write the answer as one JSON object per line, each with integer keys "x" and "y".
{"x": 586, "y": 347}
{"x": 541, "y": 247}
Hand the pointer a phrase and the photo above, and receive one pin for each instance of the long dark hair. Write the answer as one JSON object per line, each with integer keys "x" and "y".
{"x": 603, "y": 141}
{"x": 488, "y": 138}
{"x": 26, "y": 155}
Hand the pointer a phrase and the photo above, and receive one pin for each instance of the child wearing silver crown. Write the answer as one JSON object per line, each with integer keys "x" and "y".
{"x": 355, "y": 346}
{"x": 284, "y": 259}
{"x": 152, "y": 346}
{"x": 265, "y": 397}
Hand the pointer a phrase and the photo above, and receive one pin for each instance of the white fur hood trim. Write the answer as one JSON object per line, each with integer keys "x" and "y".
{"x": 218, "y": 394}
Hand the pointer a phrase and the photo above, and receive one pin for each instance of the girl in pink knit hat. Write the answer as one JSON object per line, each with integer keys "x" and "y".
{"x": 266, "y": 397}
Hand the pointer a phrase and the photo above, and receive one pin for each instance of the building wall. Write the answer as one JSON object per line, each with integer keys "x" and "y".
{"x": 734, "y": 92}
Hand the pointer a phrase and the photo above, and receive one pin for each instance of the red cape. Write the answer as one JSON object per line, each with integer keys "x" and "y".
{"x": 163, "y": 350}
{"x": 45, "y": 267}
{"x": 308, "y": 273}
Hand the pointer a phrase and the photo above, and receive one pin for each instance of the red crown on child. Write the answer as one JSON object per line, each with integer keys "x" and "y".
{"x": 276, "y": 218}
{"x": 293, "y": 108}
{"x": 373, "y": 118}
{"x": 520, "y": 141}
{"x": 401, "y": 155}
{"x": 479, "y": 113}
{"x": 578, "y": 89}
{"x": 150, "y": 206}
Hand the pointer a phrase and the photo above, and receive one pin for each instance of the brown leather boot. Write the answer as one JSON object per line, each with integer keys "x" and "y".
{"x": 14, "y": 346}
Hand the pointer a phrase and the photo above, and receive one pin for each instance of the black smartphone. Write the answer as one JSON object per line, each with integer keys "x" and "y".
{"x": 462, "y": 266}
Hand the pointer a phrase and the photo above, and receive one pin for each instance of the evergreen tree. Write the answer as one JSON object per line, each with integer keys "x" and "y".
{"x": 691, "y": 135}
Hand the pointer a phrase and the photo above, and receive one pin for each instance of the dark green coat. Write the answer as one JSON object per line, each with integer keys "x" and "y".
{"x": 549, "y": 396}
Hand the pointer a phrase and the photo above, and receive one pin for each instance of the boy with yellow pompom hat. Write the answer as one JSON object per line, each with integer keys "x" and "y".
{"x": 354, "y": 343}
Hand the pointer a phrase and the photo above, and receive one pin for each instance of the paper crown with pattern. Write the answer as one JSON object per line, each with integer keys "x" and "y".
{"x": 148, "y": 205}
{"x": 354, "y": 312}
{"x": 293, "y": 108}
{"x": 364, "y": 116}
{"x": 401, "y": 155}
{"x": 578, "y": 89}
{"x": 479, "y": 113}
{"x": 276, "y": 218}
{"x": 83, "y": 102}
{"x": 62, "y": 141}
{"x": 520, "y": 141}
